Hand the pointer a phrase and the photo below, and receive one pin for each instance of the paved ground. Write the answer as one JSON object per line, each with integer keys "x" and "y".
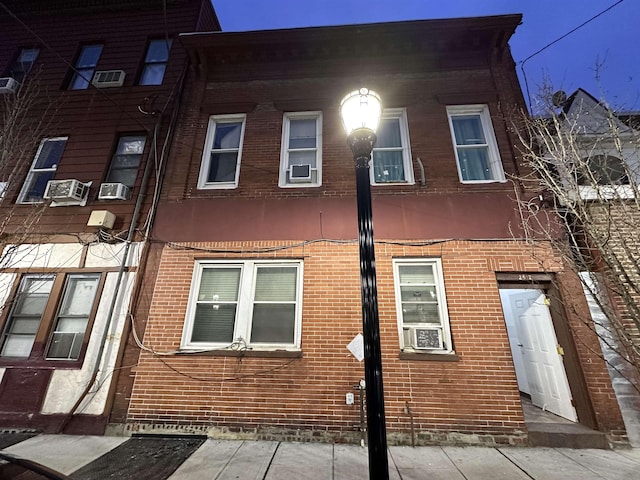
{"x": 92, "y": 457}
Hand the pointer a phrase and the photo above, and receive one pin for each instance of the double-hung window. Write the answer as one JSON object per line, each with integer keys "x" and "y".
{"x": 42, "y": 169}
{"x": 301, "y": 153}
{"x": 475, "y": 144}
{"x": 391, "y": 156}
{"x": 125, "y": 162}
{"x": 85, "y": 67}
{"x": 254, "y": 304}
{"x": 155, "y": 62}
{"x": 220, "y": 167}
{"x": 423, "y": 322}
{"x": 24, "y": 63}
{"x": 52, "y": 308}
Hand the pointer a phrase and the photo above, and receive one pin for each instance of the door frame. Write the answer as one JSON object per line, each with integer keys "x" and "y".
{"x": 575, "y": 374}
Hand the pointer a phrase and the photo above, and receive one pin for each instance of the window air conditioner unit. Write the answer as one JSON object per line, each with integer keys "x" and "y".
{"x": 66, "y": 191}
{"x": 8, "y": 85}
{"x": 426, "y": 338}
{"x": 113, "y": 191}
{"x": 108, "y": 78}
{"x": 300, "y": 173}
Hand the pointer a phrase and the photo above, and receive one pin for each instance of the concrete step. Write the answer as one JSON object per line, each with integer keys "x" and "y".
{"x": 559, "y": 435}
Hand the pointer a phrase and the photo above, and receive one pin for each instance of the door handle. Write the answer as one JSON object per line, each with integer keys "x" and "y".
{"x": 560, "y": 350}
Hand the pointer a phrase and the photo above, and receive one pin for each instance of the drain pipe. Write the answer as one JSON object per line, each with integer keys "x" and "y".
{"x": 363, "y": 429}
{"x": 423, "y": 179}
{"x": 123, "y": 265}
{"x": 407, "y": 411}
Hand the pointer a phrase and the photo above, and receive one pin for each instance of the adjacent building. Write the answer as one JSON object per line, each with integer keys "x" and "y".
{"x": 88, "y": 97}
{"x": 252, "y": 275}
{"x": 593, "y": 155}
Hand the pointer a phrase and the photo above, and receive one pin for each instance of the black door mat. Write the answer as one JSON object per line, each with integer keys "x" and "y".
{"x": 8, "y": 439}
{"x": 141, "y": 458}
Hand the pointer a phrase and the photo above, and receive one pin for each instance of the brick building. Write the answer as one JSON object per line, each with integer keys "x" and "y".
{"x": 87, "y": 95}
{"x": 257, "y": 292}
{"x": 597, "y": 154}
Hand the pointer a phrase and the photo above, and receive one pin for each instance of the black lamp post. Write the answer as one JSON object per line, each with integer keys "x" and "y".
{"x": 360, "y": 111}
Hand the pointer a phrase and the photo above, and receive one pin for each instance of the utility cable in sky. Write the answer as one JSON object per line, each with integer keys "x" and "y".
{"x": 524, "y": 75}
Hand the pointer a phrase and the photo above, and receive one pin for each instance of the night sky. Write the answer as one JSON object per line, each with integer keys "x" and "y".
{"x": 602, "y": 57}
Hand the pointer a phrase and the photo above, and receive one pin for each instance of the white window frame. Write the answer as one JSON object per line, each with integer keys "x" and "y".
{"x": 401, "y": 115}
{"x": 244, "y": 310}
{"x": 495, "y": 161}
{"x": 445, "y": 328}
{"x": 35, "y": 171}
{"x": 285, "y": 150}
{"x": 214, "y": 120}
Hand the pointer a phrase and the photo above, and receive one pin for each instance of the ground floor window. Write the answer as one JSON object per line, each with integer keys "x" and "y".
{"x": 252, "y": 304}
{"x": 423, "y": 322}
{"x": 54, "y": 310}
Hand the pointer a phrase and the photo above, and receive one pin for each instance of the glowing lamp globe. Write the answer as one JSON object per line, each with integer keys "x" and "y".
{"x": 361, "y": 109}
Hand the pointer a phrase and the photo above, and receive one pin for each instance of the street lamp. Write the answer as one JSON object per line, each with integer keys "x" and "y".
{"x": 360, "y": 111}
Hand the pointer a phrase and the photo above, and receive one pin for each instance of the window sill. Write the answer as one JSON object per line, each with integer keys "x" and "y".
{"x": 244, "y": 353}
{"x": 603, "y": 192}
{"x": 219, "y": 186}
{"x": 299, "y": 185}
{"x": 14, "y": 362}
{"x": 429, "y": 357}
{"x": 482, "y": 182}
{"x": 391, "y": 184}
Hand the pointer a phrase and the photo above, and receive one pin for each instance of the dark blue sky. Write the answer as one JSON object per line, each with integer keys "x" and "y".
{"x": 609, "y": 42}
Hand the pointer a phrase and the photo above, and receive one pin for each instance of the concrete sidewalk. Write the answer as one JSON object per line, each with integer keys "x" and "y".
{"x": 89, "y": 457}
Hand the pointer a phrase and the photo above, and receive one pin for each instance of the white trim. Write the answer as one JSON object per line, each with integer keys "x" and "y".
{"x": 245, "y": 301}
{"x": 27, "y": 182}
{"x": 401, "y": 115}
{"x": 492, "y": 146}
{"x": 443, "y": 314}
{"x": 604, "y": 192}
{"x": 214, "y": 120}
{"x": 284, "y": 149}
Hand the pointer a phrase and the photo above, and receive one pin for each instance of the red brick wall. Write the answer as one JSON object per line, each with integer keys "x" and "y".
{"x": 423, "y": 95}
{"x": 474, "y": 398}
{"x": 477, "y": 395}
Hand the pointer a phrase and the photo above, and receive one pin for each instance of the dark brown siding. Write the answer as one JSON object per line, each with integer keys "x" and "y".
{"x": 93, "y": 118}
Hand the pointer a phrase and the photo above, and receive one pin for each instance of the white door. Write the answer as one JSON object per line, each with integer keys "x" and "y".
{"x": 548, "y": 385}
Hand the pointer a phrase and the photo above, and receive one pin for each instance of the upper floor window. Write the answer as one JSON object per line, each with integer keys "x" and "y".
{"x": 605, "y": 173}
{"x": 56, "y": 308}
{"x": 602, "y": 170}
{"x": 220, "y": 166}
{"x": 252, "y": 303}
{"x": 421, "y": 306}
{"x": 126, "y": 160}
{"x": 42, "y": 169}
{"x": 475, "y": 144}
{"x": 24, "y": 63}
{"x": 391, "y": 156}
{"x": 85, "y": 67}
{"x": 155, "y": 62}
{"x": 301, "y": 154}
